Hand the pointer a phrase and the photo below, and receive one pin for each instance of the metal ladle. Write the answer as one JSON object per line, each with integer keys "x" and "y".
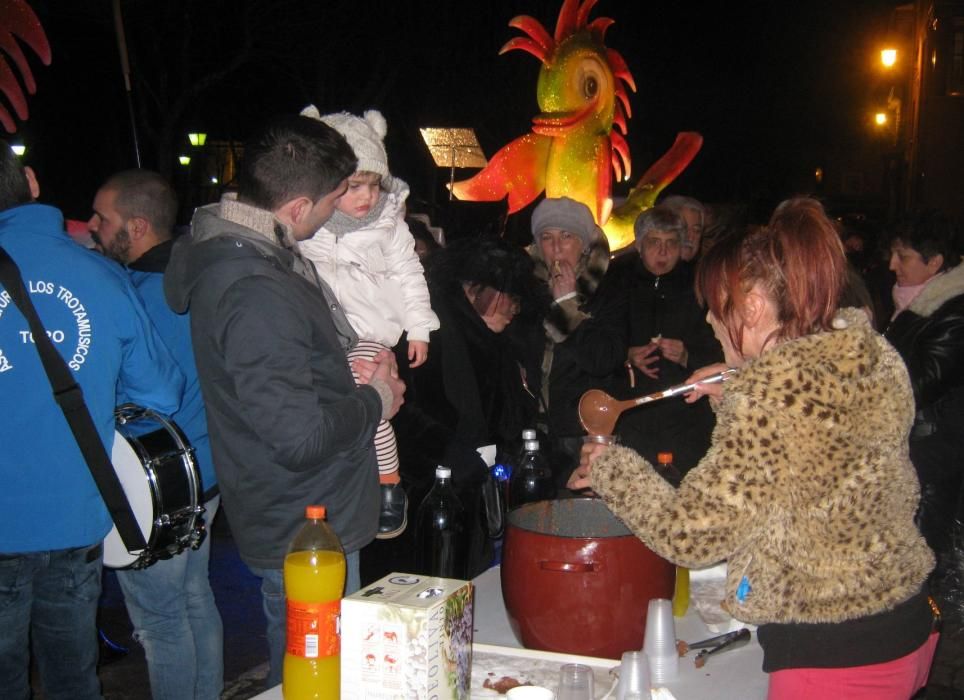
{"x": 598, "y": 411}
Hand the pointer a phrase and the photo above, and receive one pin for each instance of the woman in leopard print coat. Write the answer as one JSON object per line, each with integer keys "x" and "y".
{"x": 807, "y": 490}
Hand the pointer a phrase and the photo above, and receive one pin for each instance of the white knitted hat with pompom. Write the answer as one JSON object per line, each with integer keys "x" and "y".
{"x": 365, "y": 135}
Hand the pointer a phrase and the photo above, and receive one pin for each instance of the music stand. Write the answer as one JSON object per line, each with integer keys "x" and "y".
{"x": 454, "y": 148}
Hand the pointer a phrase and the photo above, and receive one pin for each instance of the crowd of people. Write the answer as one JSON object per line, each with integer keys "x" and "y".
{"x": 318, "y": 344}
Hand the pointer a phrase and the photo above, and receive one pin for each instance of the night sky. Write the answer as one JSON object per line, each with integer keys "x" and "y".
{"x": 774, "y": 87}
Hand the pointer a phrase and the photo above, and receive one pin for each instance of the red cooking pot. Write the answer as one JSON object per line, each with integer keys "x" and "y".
{"x": 576, "y": 580}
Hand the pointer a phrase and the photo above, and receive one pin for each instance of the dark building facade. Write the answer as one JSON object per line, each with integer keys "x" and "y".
{"x": 928, "y": 99}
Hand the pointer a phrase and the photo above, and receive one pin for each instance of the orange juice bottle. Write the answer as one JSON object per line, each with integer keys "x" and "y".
{"x": 314, "y": 574}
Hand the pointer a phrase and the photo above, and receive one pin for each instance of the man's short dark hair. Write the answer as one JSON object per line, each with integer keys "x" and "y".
{"x": 14, "y": 188}
{"x": 930, "y": 233}
{"x": 146, "y": 194}
{"x": 293, "y": 156}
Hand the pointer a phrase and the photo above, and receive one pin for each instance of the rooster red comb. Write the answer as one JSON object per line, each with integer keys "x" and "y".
{"x": 18, "y": 21}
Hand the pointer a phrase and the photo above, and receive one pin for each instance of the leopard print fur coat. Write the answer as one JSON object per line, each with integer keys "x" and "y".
{"x": 807, "y": 490}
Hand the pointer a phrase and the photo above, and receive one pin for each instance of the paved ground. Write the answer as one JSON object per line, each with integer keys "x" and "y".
{"x": 245, "y": 650}
{"x": 239, "y": 601}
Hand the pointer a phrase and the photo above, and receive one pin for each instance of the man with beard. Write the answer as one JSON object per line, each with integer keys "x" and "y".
{"x": 170, "y": 603}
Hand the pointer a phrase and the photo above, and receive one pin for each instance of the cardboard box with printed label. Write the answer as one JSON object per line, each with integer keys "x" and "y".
{"x": 407, "y": 636}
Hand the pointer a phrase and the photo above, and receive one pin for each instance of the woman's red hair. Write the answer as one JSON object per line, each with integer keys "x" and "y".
{"x": 797, "y": 258}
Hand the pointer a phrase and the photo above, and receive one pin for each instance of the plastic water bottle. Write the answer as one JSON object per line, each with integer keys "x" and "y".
{"x": 440, "y": 533}
{"x": 314, "y": 575}
{"x": 532, "y": 479}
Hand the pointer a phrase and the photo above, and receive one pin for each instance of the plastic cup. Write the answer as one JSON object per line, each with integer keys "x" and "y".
{"x": 634, "y": 676}
{"x": 576, "y": 682}
{"x": 600, "y": 439}
{"x": 530, "y": 692}
{"x": 660, "y": 641}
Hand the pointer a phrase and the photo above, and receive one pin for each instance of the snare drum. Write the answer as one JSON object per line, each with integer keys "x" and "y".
{"x": 156, "y": 467}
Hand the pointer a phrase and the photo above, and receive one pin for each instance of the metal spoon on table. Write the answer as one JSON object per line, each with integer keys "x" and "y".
{"x": 734, "y": 640}
{"x": 598, "y": 411}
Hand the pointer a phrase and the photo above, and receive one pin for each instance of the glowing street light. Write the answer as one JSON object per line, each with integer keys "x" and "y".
{"x": 184, "y": 160}
{"x": 880, "y": 118}
{"x": 888, "y": 57}
{"x": 197, "y": 138}
{"x": 18, "y": 149}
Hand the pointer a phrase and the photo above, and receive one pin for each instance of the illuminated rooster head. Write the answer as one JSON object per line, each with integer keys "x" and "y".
{"x": 582, "y": 84}
{"x": 573, "y": 150}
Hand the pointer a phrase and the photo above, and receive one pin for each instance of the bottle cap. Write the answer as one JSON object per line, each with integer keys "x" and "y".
{"x": 665, "y": 457}
{"x": 315, "y": 512}
{"x": 443, "y": 473}
{"x": 529, "y": 434}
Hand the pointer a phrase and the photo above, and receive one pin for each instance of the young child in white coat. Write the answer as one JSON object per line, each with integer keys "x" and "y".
{"x": 366, "y": 254}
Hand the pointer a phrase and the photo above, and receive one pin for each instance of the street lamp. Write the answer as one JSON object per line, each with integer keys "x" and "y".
{"x": 197, "y": 138}
{"x": 880, "y": 118}
{"x": 18, "y": 149}
{"x": 184, "y": 160}
{"x": 888, "y": 57}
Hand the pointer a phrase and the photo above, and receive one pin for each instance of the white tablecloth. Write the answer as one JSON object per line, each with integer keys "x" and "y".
{"x": 732, "y": 675}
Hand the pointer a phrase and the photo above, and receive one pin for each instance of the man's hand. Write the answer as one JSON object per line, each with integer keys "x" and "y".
{"x": 645, "y": 359}
{"x": 382, "y": 368}
{"x": 417, "y": 353}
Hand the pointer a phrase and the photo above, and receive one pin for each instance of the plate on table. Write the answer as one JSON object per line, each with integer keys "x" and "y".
{"x": 530, "y": 667}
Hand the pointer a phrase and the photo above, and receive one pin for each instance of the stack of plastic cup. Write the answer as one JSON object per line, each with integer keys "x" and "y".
{"x": 660, "y": 642}
{"x": 634, "y": 677}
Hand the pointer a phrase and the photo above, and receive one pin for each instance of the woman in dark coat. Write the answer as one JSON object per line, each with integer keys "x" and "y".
{"x": 668, "y": 337}
{"x": 470, "y": 393}
{"x": 928, "y": 331}
{"x": 581, "y": 341}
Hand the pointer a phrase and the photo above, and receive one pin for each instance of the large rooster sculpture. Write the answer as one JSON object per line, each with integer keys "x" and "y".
{"x": 573, "y": 150}
{"x": 18, "y": 20}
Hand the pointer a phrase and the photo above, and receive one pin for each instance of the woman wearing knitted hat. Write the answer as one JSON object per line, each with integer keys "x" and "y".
{"x": 366, "y": 254}
{"x": 583, "y": 339}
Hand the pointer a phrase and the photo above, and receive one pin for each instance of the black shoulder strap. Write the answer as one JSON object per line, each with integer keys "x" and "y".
{"x": 70, "y": 398}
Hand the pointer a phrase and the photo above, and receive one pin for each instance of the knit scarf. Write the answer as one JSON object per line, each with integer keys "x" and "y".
{"x": 904, "y": 296}
{"x": 270, "y": 231}
{"x": 340, "y": 223}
